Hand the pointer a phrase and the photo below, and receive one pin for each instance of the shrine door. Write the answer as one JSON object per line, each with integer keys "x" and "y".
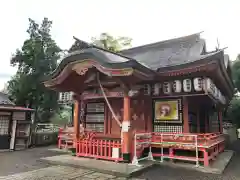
{"x": 4, "y": 132}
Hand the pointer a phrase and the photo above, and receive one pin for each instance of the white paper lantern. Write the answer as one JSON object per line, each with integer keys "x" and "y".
{"x": 209, "y": 85}
{"x": 177, "y": 86}
{"x": 147, "y": 89}
{"x": 216, "y": 94}
{"x": 65, "y": 96}
{"x": 198, "y": 84}
{"x": 222, "y": 98}
{"x": 157, "y": 87}
{"x": 187, "y": 85}
{"x": 166, "y": 88}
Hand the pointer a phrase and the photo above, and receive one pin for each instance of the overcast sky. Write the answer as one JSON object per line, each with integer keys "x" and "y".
{"x": 145, "y": 21}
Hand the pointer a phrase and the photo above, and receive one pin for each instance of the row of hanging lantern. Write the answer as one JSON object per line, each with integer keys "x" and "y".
{"x": 65, "y": 96}
{"x": 214, "y": 91}
{"x": 177, "y": 86}
{"x": 189, "y": 85}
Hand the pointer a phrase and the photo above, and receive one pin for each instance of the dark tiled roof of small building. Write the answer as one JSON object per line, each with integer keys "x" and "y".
{"x": 4, "y": 99}
{"x": 7, "y": 104}
{"x": 14, "y": 108}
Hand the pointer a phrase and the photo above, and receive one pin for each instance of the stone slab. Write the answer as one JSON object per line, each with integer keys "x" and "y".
{"x": 217, "y": 167}
{"x": 102, "y": 166}
{"x": 51, "y": 173}
{"x": 62, "y": 173}
{"x": 59, "y": 150}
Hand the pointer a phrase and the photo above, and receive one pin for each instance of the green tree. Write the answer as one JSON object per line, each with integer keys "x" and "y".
{"x": 233, "y": 110}
{"x": 236, "y": 72}
{"x": 37, "y": 58}
{"x": 111, "y": 43}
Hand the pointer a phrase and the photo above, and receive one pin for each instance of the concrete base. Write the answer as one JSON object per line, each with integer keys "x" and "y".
{"x": 216, "y": 167}
{"x": 59, "y": 150}
{"x": 5, "y": 150}
{"x": 128, "y": 170}
{"x": 107, "y": 167}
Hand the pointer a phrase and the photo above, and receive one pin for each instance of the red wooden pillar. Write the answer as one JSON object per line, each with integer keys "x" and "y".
{"x": 126, "y": 128}
{"x": 220, "y": 121}
{"x": 76, "y": 119}
{"x": 205, "y": 158}
{"x": 185, "y": 115}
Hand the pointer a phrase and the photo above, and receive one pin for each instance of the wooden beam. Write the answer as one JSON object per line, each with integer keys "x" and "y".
{"x": 198, "y": 119}
{"x": 185, "y": 115}
{"x": 220, "y": 121}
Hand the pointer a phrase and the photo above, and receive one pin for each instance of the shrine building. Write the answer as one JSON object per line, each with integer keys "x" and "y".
{"x": 165, "y": 98}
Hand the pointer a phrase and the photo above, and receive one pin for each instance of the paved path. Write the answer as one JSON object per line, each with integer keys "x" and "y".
{"x": 232, "y": 172}
{"x": 61, "y": 173}
{"x": 27, "y": 167}
{"x": 21, "y": 161}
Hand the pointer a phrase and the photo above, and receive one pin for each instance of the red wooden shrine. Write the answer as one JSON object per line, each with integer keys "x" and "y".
{"x": 163, "y": 99}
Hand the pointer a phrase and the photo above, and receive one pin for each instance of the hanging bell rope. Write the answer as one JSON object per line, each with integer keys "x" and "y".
{"x": 109, "y": 105}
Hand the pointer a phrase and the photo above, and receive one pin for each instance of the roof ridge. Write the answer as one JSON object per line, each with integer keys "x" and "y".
{"x": 160, "y": 42}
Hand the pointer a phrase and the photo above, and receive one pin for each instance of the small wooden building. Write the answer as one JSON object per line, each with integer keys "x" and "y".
{"x": 15, "y": 125}
{"x": 175, "y": 90}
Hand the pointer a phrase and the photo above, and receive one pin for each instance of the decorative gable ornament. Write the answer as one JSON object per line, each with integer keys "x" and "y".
{"x": 187, "y": 85}
{"x": 166, "y": 88}
{"x": 177, "y": 86}
{"x": 198, "y": 84}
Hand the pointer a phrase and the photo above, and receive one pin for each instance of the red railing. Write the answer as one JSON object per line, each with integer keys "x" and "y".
{"x": 99, "y": 149}
{"x": 65, "y": 139}
{"x": 209, "y": 144}
{"x": 100, "y": 146}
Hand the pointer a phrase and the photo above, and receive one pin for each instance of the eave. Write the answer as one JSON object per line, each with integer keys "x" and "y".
{"x": 109, "y": 64}
{"x": 211, "y": 66}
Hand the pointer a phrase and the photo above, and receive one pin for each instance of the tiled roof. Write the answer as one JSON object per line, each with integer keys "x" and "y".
{"x": 147, "y": 58}
{"x": 4, "y": 99}
{"x": 168, "y": 53}
{"x": 17, "y": 108}
{"x": 6, "y": 104}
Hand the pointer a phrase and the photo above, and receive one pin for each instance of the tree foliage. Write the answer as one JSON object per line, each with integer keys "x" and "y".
{"x": 106, "y": 41}
{"x": 233, "y": 111}
{"x": 37, "y": 58}
{"x": 236, "y": 72}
